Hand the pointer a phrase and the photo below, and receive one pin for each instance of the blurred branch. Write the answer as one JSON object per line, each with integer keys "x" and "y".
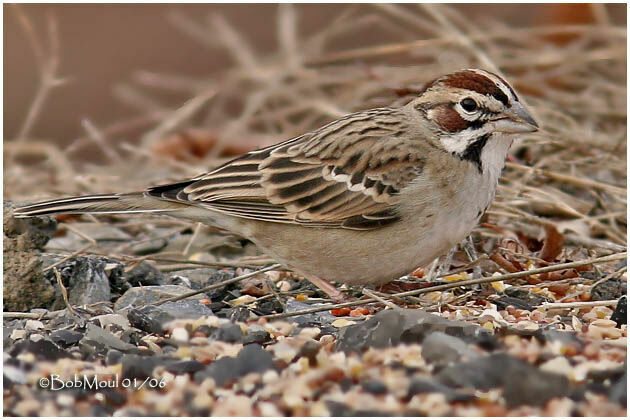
{"x": 48, "y": 63}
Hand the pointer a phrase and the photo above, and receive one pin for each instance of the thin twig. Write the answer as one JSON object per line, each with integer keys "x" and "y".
{"x": 74, "y": 254}
{"x": 64, "y": 292}
{"x": 569, "y": 305}
{"x": 405, "y": 47}
{"x": 578, "y": 182}
{"x": 610, "y": 276}
{"x": 369, "y": 293}
{"x": 193, "y": 238}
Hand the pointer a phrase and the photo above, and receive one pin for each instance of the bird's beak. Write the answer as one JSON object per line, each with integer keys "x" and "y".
{"x": 518, "y": 120}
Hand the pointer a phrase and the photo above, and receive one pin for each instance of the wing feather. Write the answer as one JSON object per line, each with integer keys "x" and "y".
{"x": 347, "y": 174}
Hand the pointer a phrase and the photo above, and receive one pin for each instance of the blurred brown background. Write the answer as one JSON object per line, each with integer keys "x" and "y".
{"x": 102, "y": 45}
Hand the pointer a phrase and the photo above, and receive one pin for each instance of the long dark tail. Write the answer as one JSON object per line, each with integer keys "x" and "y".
{"x": 100, "y": 203}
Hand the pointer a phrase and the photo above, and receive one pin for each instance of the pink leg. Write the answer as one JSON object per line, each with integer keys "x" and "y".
{"x": 335, "y": 294}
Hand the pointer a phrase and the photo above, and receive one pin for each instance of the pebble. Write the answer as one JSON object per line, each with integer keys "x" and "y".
{"x": 113, "y": 319}
{"x": 342, "y": 322}
{"x": 18, "y": 334}
{"x": 33, "y": 325}
{"x": 374, "y": 387}
{"x": 180, "y": 334}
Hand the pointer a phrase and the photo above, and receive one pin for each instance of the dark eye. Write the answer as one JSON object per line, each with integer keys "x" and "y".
{"x": 469, "y": 104}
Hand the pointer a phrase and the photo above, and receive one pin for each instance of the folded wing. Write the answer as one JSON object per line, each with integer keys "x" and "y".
{"x": 345, "y": 175}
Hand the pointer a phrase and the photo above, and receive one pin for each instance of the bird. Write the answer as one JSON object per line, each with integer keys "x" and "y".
{"x": 363, "y": 200}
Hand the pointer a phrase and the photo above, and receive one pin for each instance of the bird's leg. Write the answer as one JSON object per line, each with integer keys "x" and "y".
{"x": 325, "y": 286}
{"x": 469, "y": 247}
{"x": 446, "y": 263}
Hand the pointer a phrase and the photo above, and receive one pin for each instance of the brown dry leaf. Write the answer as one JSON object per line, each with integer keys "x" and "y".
{"x": 553, "y": 244}
{"x": 191, "y": 143}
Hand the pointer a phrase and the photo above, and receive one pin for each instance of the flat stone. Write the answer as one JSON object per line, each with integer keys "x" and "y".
{"x": 428, "y": 386}
{"x": 138, "y": 367}
{"x": 66, "y": 338}
{"x": 103, "y": 340}
{"x": 144, "y": 274}
{"x": 374, "y": 387}
{"x": 228, "y": 332}
{"x": 42, "y": 349}
{"x": 113, "y": 357}
{"x": 184, "y": 366}
{"x": 531, "y": 300}
{"x": 391, "y": 327}
{"x": 154, "y": 319}
{"x": 33, "y": 325}
{"x": 252, "y": 358}
{"x": 112, "y": 319}
{"x": 255, "y": 334}
{"x": 442, "y": 349}
{"x": 523, "y": 384}
{"x": 140, "y": 296}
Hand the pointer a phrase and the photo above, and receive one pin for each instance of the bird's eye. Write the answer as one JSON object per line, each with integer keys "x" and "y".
{"x": 469, "y": 104}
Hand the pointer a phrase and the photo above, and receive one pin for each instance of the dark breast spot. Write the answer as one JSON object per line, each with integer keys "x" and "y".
{"x": 476, "y": 82}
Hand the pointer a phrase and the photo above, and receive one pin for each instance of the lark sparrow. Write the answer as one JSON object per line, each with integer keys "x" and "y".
{"x": 362, "y": 200}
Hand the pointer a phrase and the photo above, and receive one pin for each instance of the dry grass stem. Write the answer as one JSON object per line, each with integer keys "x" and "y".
{"x": 571, "y": 305}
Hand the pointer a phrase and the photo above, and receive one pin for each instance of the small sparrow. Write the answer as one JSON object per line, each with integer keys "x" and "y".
{"x": 364, "y": 199}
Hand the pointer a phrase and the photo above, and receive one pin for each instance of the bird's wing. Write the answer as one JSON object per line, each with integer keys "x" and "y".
{"x": 347, "y": 175}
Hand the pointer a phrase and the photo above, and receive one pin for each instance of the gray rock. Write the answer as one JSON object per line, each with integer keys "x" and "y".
{"x": 149, "y": 247}
{"x": 113, "y": 357}
{"x": 252, "y": 358}
{"x": 620, "y": 316}
{"x": 321, "y": 320}
{"x": 102, "y": 340}
{"x": 140, "y": 296}
{"x": 153, "y": 319}
{"x": 374, "y": 387}
{"x": 523, "y": 384}
{"x": 419, "y": 385}
{"x": 530, "y": 300}
{"x": 228, "y": 332}
{"x": 112, "y": 319}
{"x": 611, "y": 289}
{"x": 42, "y": 349}
{"x": 144, "y": 274}
{"x": 88, "y": 279}
{"x": 567, "y": 338}
{"x": 390, "y": 327}
{"x": 443, "y": 349}
{"x": 66, "y": 338}
{"x": 255, "y": 334}
{"x": 138, "y": 367}
{"x": 184, "y": 366}
{"x": 619, "y": 391}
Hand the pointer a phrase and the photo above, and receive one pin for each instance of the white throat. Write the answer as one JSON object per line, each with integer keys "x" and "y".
{"x": 494, "y": 154}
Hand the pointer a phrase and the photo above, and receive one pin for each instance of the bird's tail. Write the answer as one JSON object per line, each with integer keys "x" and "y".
{"x": 100, "y": 203}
